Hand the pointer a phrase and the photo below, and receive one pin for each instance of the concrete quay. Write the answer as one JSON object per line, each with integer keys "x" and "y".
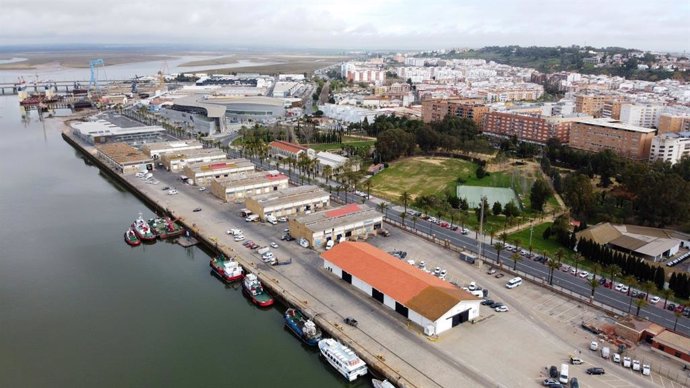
{"x": 383, "y": 339}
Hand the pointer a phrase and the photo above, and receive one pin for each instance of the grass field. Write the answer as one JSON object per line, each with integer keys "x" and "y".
{"x": 539, "y": 245}
{"x": 420, "y": 176}
{"x": 338, "y": 146}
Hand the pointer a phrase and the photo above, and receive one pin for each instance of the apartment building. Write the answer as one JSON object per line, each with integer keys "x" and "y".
{"x": 629, "y": 141}
{"x": 528, "y": 127}
{"x": 670, "y": 147}
{"x": 437, "y": 110}
{"x": 646, "y": 115}
{"x": 591, "y": 104}
{"x": 669, "y": 122}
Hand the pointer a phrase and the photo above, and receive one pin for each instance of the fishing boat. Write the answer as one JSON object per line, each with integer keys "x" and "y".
{"x": 131, "y": 238}
{"x": 228, "y": 269}
{"x": 143, "y": 230}
{"x": 251, "y": 286}
{"x": 166, "y": 227}
{"x": 381, "y": 384}
{"x": 343, "y": 359}
{"x": 303, "y": 327}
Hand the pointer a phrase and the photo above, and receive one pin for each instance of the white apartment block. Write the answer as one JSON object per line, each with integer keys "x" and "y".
{"x": 363, "y": 72}
{"x": 670, "y": 147}
{"x": 641, "y": 115}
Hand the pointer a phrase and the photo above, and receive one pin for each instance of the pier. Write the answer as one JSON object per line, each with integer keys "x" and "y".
{"x": 58, "y": 86}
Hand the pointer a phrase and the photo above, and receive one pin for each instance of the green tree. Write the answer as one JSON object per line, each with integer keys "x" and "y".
{"x": 539, "y": 194}
{"x": 640, "y": 303}
{"x": 553, "y": 265}
{"x": 578, "y": 193}
{"x": 405, "y": 198}
{"x": 666, "y": 293}
{"x": 511, "y": 210}
{"x": 516, "y": 258}
{"x": 497, "y": 208}
{"x": 499, "y": 246}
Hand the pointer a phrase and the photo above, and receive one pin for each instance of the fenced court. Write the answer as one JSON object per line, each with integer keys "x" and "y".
{"x": 473, "y": 195}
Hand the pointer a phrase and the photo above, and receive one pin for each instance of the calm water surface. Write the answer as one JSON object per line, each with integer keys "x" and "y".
{"x": 80, "y": 308}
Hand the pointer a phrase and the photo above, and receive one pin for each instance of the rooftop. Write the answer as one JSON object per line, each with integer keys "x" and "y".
{"x": 308, "y": 193}
{"x": 341, "y": 216}
{"x": 615, "y": 124}
{"x": 123, "y": 153}
{"x": 172, "y": 145}
{"x": 250, "y": 178}
{"x": 331, "y": 159}
{"x": 289, "y": 147}
{"x": 230, "y": 164}
{"x": 644, "y": 240}
{"x": 194, "y": 153}
{"x": 673, "y": 340}
{"x": 424, "y": 293}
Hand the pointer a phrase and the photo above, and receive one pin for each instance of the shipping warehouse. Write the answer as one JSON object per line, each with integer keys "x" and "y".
{"x": 240, "y": 186}
{"x": 424, "y": 299}
{"x": 346, "y": 222}
{"x": 176, "y": 161}
{"x": 286, "y": 202}
{"x": 202, "y": 173}
{"x": 124, "y": 158}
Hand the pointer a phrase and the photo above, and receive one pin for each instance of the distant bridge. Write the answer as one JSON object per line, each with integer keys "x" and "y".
{"x": 59, "y": 86}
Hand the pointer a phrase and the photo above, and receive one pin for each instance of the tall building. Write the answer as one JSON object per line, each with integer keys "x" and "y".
{"x": 594, "y": 135}
{"x": 528, "y": 127}
{"x": 591, "y": 104}
{"x": 641, "y": 115}
{"x": 363, "y": 72}
{"x": 673, "y": 123}
{"x": 670, "y": 147}
{"x": 437, "y": 110}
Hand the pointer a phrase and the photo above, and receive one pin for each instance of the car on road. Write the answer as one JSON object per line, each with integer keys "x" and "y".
{"x": 202, "y": 188}
{"x": 487, "y": 302}
{"x": 240, "y": 238}
{"x": 172, "y": 192}
{"x": 575, "y": 360}
{"x": 198, "y": 209}
{"x": 491, "y": 271}
{"x": 595, "y": 371}
{"x": 166, "y": 188}
{"x": 274, "y": 245}
{"x": 654, "y": 300}
{"x": 267, "y": 255}
{"x": 501, "y": 309}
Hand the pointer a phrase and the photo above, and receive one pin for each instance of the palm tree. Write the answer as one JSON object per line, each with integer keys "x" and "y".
{"x": 647, "y": 287}
{"x": 402, "y": 217}
{"x": 368, "y": 184}
{"x": 614, "y": 270}
{"x": 594, "y": 284}
{"x": 666, "y": 293}
{"x": 382, "y": 207}
{"x": 517, "y": 243}
{"x": 677, "y": 314}
{"x": 499, "y": 247}
{"x": 596, "y": 269}
{"x": 516, "y": 257}
{"x": 405, "y": 197}
{"x": 553, "y": 265}
{"x": 503, "y": 236}
{"x": 560, "y": 253}
{"x": 327, "y": 173}
{"x": 492, "y": 234}
{"x": 631, "y": 282}
{"x": 577, "y": 259}
{"x": 640, "y": 303}
{"x": 414, "y": 222}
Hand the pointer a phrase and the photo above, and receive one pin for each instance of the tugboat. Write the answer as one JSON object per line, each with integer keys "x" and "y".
{"x": 143, "y": 230}
{"x": 165, "y": 227}
{"x": 303, "y": 328}
{"x": 381, "y": 384}
{"x": 251, "y": 286}
{"x": 228, "y": 269}
{"x": 342, "y": 359}
{"x": 131, "y": 238}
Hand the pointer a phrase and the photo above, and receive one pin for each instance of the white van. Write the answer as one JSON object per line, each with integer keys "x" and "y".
{"x": 329, "y": 244}
{"x": 514, "y": 282}
{"x": 271, "y": 219}
{"x": 563, "y": 377}
{"x": 605, "y": 351}
{"x": 252, "y": 218}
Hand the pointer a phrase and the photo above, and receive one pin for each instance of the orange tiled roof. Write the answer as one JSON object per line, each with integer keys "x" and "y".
{"x": 343, "y": 210}
{"x": 289, "y": 147}
{"x": 417, "y": 290}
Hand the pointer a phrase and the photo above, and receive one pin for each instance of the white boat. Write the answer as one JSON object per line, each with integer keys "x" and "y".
{"x": 381, "y": 384}
{"x": 343, "y": 359}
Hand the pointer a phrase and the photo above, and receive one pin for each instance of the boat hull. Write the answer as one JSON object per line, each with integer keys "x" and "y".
{"x": 259, "y": 302}
{"x": 132, "y": 242}
{"x": 222, "y": 274}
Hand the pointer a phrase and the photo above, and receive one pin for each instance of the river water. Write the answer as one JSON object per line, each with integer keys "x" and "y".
{"x": 80, "y": 308}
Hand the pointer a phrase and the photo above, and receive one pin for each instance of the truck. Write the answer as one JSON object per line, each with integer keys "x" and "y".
{"x": 252, "y": 218}
{"x": 271, "y": 219}
{"x": 263, "y": 250}
{"x": 467, "y": 257}
{"x": 605, "y": 352}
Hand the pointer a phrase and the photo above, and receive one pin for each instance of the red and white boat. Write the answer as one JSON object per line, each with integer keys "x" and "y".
{"x": 131, "y": 238}
{"x": 252, "y": 287}
{"x": 228, "y": 269}
{"x": 143, "y": 229}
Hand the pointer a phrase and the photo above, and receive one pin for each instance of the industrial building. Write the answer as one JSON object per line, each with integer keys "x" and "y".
{"x": 240, "y": 186}
{"x": 279, "y": 149}
{"x": 124, "y": 158}
{"x": 103, "y": 131}
{"x": 335, "y": 161}
{"x": 424, "y": 299}
{"x": 155, "y": 150}
{"x": 178, "y": 160}
{"x": 202, "y": 173}
{"x": 286, "y": 202}
{"x": 351, "y": 221}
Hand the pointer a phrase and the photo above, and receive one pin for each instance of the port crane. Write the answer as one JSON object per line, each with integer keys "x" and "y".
{"x": 93, "y": 65}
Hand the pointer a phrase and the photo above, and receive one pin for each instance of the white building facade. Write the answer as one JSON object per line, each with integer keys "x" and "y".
{"x": 670, "y": 147}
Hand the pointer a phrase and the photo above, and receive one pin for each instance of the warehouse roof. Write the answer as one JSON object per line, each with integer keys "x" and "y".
{"x": 194, "y": 153}
{"x": 249, "y": 179}
{"x": 291, "y": 195}
{"x": 123, "y": 153}
{"x": 342, "y": 216}
{"x": 230, "y": 164}
{"x": 419, "y": 291}
{"x": 289, "y": 147}
{"x": 640, "y": 239}
{"x": 673, "y": 340}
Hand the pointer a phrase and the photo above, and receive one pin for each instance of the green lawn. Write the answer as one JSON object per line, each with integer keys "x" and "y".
{"x": 420, "y": 176}
{"x": 538, "y": 243}
{"x": 356, "y": 142}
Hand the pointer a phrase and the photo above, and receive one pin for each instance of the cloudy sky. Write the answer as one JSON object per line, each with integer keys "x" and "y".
{"x": 351, "y": 24}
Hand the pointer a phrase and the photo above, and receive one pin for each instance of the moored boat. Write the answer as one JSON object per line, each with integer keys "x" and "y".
{"x": 251, "y": 286}
{"x": 343, "y": 359}
{"x": 381, "y": 384}
{"x": 303, "y": 327}
{"x": 228, "y": 269}
{"x": 131, "y": 238}
{"x": 143, "y": 230}
{"x": 166, "y": 227}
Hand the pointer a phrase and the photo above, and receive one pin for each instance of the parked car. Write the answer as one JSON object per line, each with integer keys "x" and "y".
{"x": 595, "y": 371}
{"x": 499, "y": 275}
{"x": 671, "y": 306}
{"x": 202, "y": 188}
{"x": 583, "y": 274}
{"x": 574, "y": 383}
{"x": 594, "y": 345}
{"x": 274, "y": 245}
{"x": 553, "y": 372}
{"x": 239, "y": 238}
{"x": 165, "y": 188}
{"x": 627, "y": 362}
{"x": 616, "y": 358}
{"x": 646, "y": 370}
{"x": 495, "y": 305}
{"x": 654, "y": 300}
{"x": 198, "y": 209}
{"x": 491, "y": 271}
{"x": 618, "y": 287}
{"x": 501, "y": 309}
{"x": 487, "y": 302}
{"x": 282, "y": 219}
{"x": 625, "y": 289}
{"x": 549, "y": 382}
{"x": 636, "y": 366}
{"x": 575, "y": 360}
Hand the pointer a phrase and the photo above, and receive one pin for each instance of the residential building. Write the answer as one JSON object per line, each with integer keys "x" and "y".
{"x": 626, "y": 140}
{"x": 240, "y": 186}
{"x": 176, "y": 161}
{"x": 646, "y": 115}
{"x": 670, "y": 147}
{"x": 437, "y": 110}
{"x": 124, "y": 158}
{"x": 427, "y": 301}
{"x": 363, "y": 72}
{"x": 591, "y": 104}
{"x": 669, "y": 122}
{"x": 287, "y": 202}
{"x": 155, "y": 150}
{"x": 351, "y": 221}
{"x": 279, "y": 149}
{"x": 201, "y": 173}
{"x": 532, "y": 128}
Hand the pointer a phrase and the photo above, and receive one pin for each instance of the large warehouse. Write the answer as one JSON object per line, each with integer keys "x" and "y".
{"x": 424, "y": 299}
{"x": 201, "y": 173}
{"x": 155, "y": 150}
{"x": 124, "y": 158}
{"x": 176, "y": 161}
{"x": 350, "y": 221}
{"x": 238, "y": 187}
{"x": 288, "y": 201}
